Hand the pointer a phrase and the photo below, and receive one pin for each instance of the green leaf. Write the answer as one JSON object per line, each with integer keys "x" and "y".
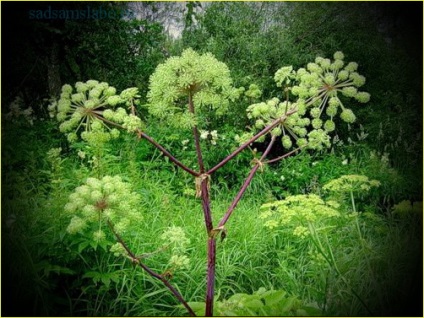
{"x": 95, "y": 276}
{"x": 273, "y": 297}
{"x": 82, "y": 246}
{"x": 59, "y": 270}
{"x": 288, "y": 304}
{"x": 254, "y": 303}
{"x": 105, "y": 280}
{"x": 93, "y": 244}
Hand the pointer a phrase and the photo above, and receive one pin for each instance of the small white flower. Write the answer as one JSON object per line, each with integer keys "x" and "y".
{"x": 214, "y": 134}
{"x": 204, "y": 134}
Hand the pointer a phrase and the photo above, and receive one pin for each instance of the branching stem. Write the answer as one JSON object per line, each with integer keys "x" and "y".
{"x": 284, "y": 156}
{"x": 149, "y": 270}
{"x": 253, "y": 139}
{"x": 246, "y": 184}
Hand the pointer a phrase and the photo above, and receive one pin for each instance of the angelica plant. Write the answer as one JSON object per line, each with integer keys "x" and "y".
{"x": 184, "y": 92}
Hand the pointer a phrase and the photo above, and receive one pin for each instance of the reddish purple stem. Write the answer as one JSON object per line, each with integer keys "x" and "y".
{"x": 168, "y": 154}
{"x": 150, "y": 271}
{"x": 246, "y": 184}
{"x": 210, "y": 280}
{"x": 284, "y": 156}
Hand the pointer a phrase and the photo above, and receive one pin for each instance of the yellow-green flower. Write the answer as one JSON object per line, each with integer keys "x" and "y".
{"x": 99, "y": 201}
{"x": 88, "y": 109}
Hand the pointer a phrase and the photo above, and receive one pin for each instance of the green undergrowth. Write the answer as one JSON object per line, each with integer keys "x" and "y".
{"x": 64, "y": 277}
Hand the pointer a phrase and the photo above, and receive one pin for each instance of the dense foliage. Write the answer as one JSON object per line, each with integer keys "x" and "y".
{"x": 335, "y": 228}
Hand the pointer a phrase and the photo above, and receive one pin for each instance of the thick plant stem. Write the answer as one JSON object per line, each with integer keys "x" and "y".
{"x": 253, "y": 139}
{"x": 210, "y": 283}
{"x": 196, "y": 136}
{"x": 204, "y": 178}
{"x": 246, "y": 184}
{"x": 152, "y": 273}
{"x": 206, "y": 206}
{"x": 210, "y": 280}
{"x": 204, "y": 186}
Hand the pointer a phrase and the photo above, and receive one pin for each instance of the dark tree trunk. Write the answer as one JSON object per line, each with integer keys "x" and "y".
{"x": 53, "y": 70}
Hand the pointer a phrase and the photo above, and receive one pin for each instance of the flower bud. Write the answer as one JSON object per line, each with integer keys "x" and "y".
{"x": 351, "y": 67}
{"x": 110, "y": 91}
{"x": 315, "y": 112}
{"x": 348, "y": 116}
{"x": 276, "y": 131}
{"x": 92, "y": 83}
{"x": 67, "y": 89}
{"x": 95, "y": 93}
{"x": 329, "y": 126}
{"x": 338, "y": 55}
{"x": 349, "y": 91}
{"x": 114, "y": 100}
{"x": 362, "y": 97}
{"x": 316, "y": 123}
{"x": 81, "y": 87}
{"x": 343, "y": 75}
{"x": 286, "y": 141}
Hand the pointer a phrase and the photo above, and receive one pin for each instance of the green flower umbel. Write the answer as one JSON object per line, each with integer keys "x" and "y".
{"x": 317, "y": 89}
{"x": 98, "y": 201}
{"x": 322, "y": 83}
{"x": 83, "y": 107}
{"x": 202, "y": 77}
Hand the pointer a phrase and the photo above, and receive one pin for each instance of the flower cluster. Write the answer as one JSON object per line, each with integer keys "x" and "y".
{"x": 118, "y": 250}
{"x": 174, "y": 239}
{"x": 185, "y": 143}
{"x": 317, "y": 89}
{"x": 351, "y": 183}
{"x": 295, "y": 126}
{"x": 84, "y": 106}
{"x": 321, "y": 83}
{"x": 253, "y": 92}
{"x": 297, "y": 211}
{"x": 245, "y": 137}
{"x": 98, "y": 201}
{"x": 212, "y": 136}
{"x": 202, "y": 77}
{"x": 54, "y": 154}
{"x": 316, "y": 258}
